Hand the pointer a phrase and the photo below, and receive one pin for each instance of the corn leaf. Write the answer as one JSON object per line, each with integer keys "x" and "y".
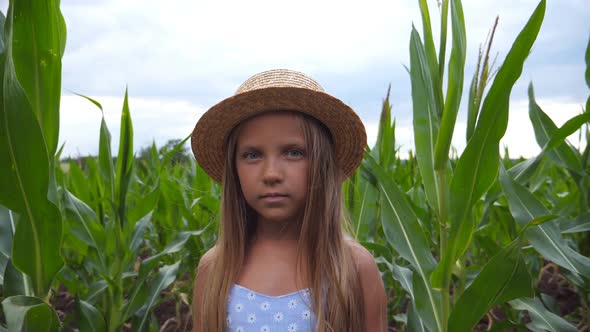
{"x": 477, "y": 168}
{"x": 444, "y": 13}
{"x": 124, "y": 160}
{"x": 7, "y": 226}
{"x": 165, "y": 277}
{"x": 384, "y": 149}
{"x": 139, "y": 293}
{"x": 39, "y": 31}
{"x": 405, "y": 277}
{"x": 105, "y": 156}
{"x": 404, "y": 234}
{"x": 24, "y": 176}
{"x": 431, "y": 64}
{"x": 545, "y": 238}
{"x": 587, "y": 57}
{"x": 88, "y": 318}
{"x": 564, "y": 154}
{"x": 541, "y": 318}
{"x": 505, "y": 277}
{"x": 454, "y": 87}
{"x": 523, "y": 171}
{"x": 425, "y": 117}
{"x": 578, "y": 224}
{"x": 2, "y": 20}
{"x": 86, "y": 226}
{"x": 95, "y": 290}
{"x": 15, "y": 282}
{"x": 474, "y": 102}
{"x": 78, "y": 184}
{"x": 29, "y": 314}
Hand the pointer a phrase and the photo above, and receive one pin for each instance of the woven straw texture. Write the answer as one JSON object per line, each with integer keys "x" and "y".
{"x": 278, "y": 90}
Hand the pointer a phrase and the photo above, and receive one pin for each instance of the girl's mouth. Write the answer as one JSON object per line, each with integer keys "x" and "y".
{"x": 273, "y": 197}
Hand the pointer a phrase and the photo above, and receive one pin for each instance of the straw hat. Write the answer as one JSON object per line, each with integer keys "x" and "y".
{"x": 277, "y": 90}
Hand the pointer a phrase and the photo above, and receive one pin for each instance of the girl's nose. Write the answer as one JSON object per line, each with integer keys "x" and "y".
{"x": 272, "y": 173}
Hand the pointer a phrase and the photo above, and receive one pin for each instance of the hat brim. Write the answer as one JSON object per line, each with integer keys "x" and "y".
{"x": 213, "y": 128}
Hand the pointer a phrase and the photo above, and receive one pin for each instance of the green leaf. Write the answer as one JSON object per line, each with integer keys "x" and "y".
{"x": 15, "y": 282}
{"x": 78, "y": 182}
{"x": 29, "y": 314}
{"x": 88, "y": 318}
{"x": 564, "y": 154}
{"x": 415, "y": 323}
{"x": 473, "y": 106}
{"x": 95, "y": 290}
{"x": 404, "y": 234}
{"x": 36, "y": 32}
{"x": 25, "y": 166}
{"x": 405, "y": 277}
{"x": 2, "y": 20}
{"x": 84, "y": 223}
{"x": 578, "y": 224}
{"x": 165, "y": 277}
{"x": 169, "y": 155}
{"x": 138, "y": 232}
{"x": 541, "y": 318}
{"x": 7, "y": 227}
{"x": 124, "y": 160}
{"x": 477, "y": 167}
{"x": 505, "y": 277}
{"x": 36, "y": 247}
{"x": 444, "y": 13}
{"x": 425, "y": 117}
{"x": 105, "y": 156}
{"x": 138, "y": 293}
{"x": 145, "y": 205}
{"x": 588, "y": 70}
{"x": 545, "y": 238}
{"x": 524, "y": 170}
{"x": 431, "y": 63}
{"x": 364, "y": 207}
{"x": 384, "y": 149}
{"x": 454, "y": 87}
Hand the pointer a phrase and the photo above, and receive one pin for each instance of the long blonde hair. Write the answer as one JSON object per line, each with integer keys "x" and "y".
{"x": 322, "y": 250}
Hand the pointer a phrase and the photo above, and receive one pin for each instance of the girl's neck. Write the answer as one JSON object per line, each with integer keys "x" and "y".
{"x": 277, "y": 231}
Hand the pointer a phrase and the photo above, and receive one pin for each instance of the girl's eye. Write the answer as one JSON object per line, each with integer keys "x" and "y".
{"x": 251, "y": 155}
{"x": 294, "y": 153}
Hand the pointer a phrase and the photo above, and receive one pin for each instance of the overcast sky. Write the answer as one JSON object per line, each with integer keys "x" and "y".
{"x": 178, "y": 58}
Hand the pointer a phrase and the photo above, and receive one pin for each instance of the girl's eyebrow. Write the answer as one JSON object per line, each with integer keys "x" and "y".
{"x": 248, "y": 147}
{"x": 294, "y": 144}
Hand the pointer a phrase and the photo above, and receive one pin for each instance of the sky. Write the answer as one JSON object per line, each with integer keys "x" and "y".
{"x": 180, "y": 57}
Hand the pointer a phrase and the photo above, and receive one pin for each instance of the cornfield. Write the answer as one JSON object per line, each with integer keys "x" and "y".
{"x": 478, "y": 241}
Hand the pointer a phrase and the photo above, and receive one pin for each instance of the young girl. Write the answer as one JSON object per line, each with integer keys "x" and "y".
{"x": 281, "y": 148}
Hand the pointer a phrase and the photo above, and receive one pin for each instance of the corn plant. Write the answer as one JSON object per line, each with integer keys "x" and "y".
{"x": 123, "y": 272}
{"x": 456, "y": 237}
{"x": 106, "y": 213}
{"x": 32, "y": 44}
{"x": 451, "y": 287}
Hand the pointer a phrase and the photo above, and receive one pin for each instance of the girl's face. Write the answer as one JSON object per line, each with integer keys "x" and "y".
{"x": 272, "y": 166}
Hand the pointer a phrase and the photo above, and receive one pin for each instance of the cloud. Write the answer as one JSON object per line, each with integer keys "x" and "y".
{"x": 195, "y": 53}
{"x": 153, "y": 119}
{"x": 519, "y": 136}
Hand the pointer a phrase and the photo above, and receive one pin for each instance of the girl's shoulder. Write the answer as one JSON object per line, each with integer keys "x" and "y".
{"x": 362, "y": 257}
{"x": 374, "y": 298}
{"x": 206, "y": 259}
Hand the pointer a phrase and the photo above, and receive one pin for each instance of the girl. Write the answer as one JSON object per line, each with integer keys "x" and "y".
{"x": 281, "y": 148}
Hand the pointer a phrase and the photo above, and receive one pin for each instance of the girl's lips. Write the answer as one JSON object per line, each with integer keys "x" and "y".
{"x": 273, "y": 197}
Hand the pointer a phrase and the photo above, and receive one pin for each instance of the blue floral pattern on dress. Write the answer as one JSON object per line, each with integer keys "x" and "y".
{"x": 249, "y": 311}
